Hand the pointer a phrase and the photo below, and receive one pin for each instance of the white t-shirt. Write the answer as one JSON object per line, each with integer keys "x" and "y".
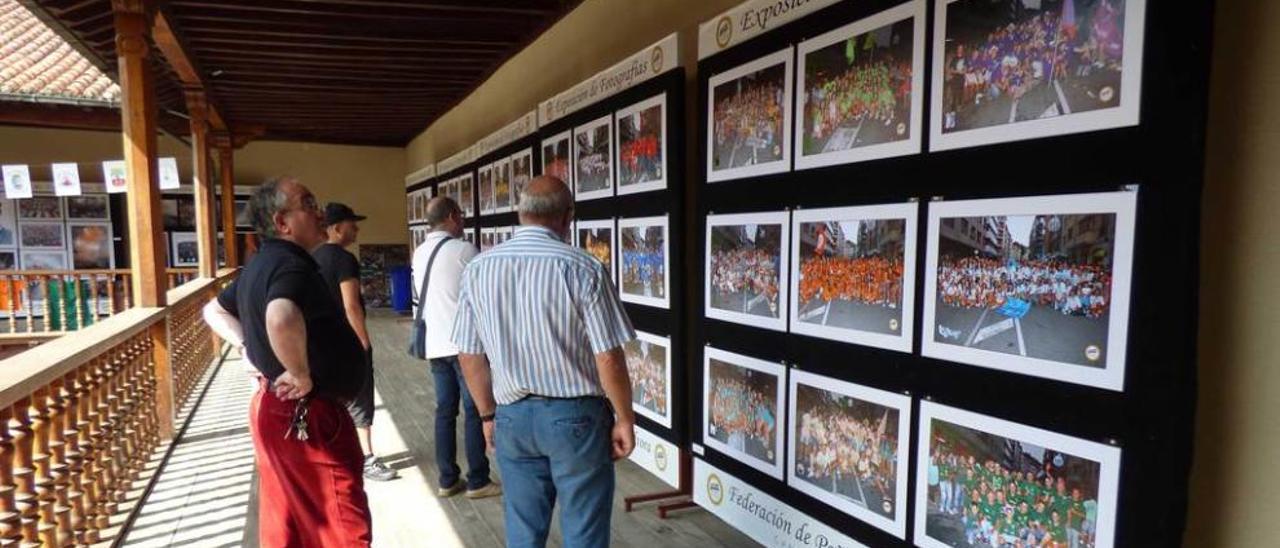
{"x": 442, "y": 292}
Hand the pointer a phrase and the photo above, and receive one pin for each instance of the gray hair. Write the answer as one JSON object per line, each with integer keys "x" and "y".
{"x": 439, "y": 209}
{"x": 546, "y": 205}
{"x": 267, "y": 200}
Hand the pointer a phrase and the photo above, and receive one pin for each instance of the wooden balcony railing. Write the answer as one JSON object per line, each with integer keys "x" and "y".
{"x": 81, "y": 416}
{"x": 45, "y": 303}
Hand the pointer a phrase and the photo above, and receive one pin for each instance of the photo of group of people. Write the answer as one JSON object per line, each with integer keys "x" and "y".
{"x": 642, "y": 144}
{"x": 521, "y": 175}
{"x": 745, "y": 265}
{"x": 91, "y": 246}
{"x": 42, "y": 235}
{"x": 593, "y": 158}
{"x": 485, "y": 177}
{"x": 502, "y": 185}
{"x": 984, "y": 482}
{"x": 493, "y": 237}
{"x": 1035, "y": 285}
{"x": 185, "y": 249}
{"x": 40, "y": 208}
{"x": 749, "y": 119}
{"x": 89, "y": 207}
{"x": 742, "y": 405}
{"x": 643, "y": 246}
{"x": 417, "y": 204}
{"x": 847, "y": 444}
{"x": 860, "y": 89}
{"x": 1054, "y": 66}
{"x": 596, "y": 238}
{"x": 855, "y": 266}
{"x": 555, "y": 158}
{"x": 459, "y": 189}
{"x": 649, "y": 366}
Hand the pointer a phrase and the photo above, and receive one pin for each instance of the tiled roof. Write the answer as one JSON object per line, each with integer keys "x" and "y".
{"x": 35, "y": 61}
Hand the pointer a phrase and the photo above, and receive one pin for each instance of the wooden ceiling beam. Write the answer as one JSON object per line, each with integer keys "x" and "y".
{"x": 186, "y": 67}
{"x": 285, "y": 75}
{"x": 336, "y": 34}
{"x": 322, "y": 46}
{"x": 447, "y": 65}
{"x": 275, "y": 53}
{"x": 423, "y": 11}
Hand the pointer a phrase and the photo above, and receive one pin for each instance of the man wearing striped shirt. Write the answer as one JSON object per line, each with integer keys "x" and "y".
{"x": 540, "y": 331}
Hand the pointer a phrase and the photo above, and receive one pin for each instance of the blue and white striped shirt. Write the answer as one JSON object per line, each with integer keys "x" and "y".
{"x": 540, "y": 309}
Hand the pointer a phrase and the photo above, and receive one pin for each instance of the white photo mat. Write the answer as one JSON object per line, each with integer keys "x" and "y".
{"x": 551, "y": 143}
{"x": 780, "y": 218}
{"x": 502, "y": 173}
{"x": 179, "y": 238}
{"x": 640, "y": 224}
{"x": 26, "y": 228}
{"x": 589, "y": 128}
{"x": 785, "y": 58}
{"x": 776, "y": 469}
{"x": 485, "y": 189}
{"x": 665, "y": 343}
{"x": 524, "y": 159}
{"x": 659, "y": 101}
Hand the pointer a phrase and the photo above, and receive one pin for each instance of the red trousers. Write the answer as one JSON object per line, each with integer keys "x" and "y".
{"x": 310, "y": 494}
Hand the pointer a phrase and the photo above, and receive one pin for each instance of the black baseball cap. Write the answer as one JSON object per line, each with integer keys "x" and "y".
{"x": 335, "y": 213}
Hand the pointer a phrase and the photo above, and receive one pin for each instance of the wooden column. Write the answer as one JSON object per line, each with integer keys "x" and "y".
{"x": 206, "y": 225}
{"x": 138, "y": 125}
{"x": 226, "y": 169}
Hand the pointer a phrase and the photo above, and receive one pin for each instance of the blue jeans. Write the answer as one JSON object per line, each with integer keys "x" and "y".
{"x": 450, "y": 387}
{"x": 549, "y": 448}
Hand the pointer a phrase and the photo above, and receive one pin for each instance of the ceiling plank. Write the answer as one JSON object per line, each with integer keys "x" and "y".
{"x": 171, "y": 46}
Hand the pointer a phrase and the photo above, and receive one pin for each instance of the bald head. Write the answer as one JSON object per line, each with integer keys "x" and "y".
{"x": 547, "y": 202}
{"x": 439, "y": 209}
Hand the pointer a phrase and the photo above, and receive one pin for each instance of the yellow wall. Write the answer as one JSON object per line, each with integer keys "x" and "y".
{"x": 369, "y": 179}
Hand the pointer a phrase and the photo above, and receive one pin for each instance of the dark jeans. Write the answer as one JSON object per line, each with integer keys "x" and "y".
{"x": 450, "y": 387}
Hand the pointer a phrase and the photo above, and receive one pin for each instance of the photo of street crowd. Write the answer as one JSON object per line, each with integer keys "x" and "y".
{"x": 555, "y": 158}
{"x": 88, "y": 207}
{"x": 856, "y": 89}
{"x": 649, "y": 365}
{"x": 465, "y": 196}
{"x": 521, "y": 174}
{"x": 91, "y": 245}
{"x": 745, "y": 263}
{"x": 1013, "y": 61}
{"x": 988, "y": 483}
{"x": 596, "y": 238}
{"x": 593, "y": 158}
{"x": 847, "y": 444}
{"x": 502, "y": 185}
{"x": 643, "y": 246}
{"x": 485, "y": 187}
{"x": 742, "y": 406}
{"x": 853, "y": 266}
{"x": 642, "y": 144}
{"x": 42, "y": 235}
{"x": 750, "y": 119}
{"x": 40, "y": 207}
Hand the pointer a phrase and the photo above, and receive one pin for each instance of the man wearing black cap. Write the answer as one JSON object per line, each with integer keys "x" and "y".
{"x": 342, "y": 273}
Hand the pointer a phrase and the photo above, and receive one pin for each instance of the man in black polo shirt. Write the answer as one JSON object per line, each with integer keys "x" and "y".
{"x": 342, "y": 272}
{"x": 311, "y": 491}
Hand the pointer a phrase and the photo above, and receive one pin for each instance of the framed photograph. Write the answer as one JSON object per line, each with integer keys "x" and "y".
{"x": 649, "y": 366}
{"x": 643, "y": 243}
{"x": 17, "y": 181}
{"x": 465, "y": 196}
{"x": 521, "y": 175}
{"x": 8, "y": 261}
{"x": 484, "y": 187}
{"x": 847, "y": 446}
{"x": 1037, "y": 286}
{"x": 504, "y": 234}
{"x": 642, "y": 146}
{"x": 746, "y": 261}
{"x": 596, "y": 238}
{"x": 742, "y": 405}
{"x": 185, "y": 249}
{"x": 861, "y": 89}
{"x": 114, "y": 176}
{"x": 243, "y": 220}
{"x": 40, "y": 208}
{"x": 44, "y": 260}
{"x": 749, "y": 119}
{"x": 88, "y": 207}
{"x": 66, "y": 179}
{"x": 853, "y": 274}
{"x": 48, "y": 235}
{"x": 8, "y": 223}
{"x": 470, "y": 236}
{"x": 555, "y": 157}
{"x": 1058, "y": 490}
{"x": 1008, "y": 70}
{"x": 593, "y": 158}
{"x": 502, "y": 185}
{"x": 91, "y": 245}
{"x": 487, "y": 236}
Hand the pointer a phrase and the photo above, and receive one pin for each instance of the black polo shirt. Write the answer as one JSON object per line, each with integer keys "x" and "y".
{"x": 337, "y": 265}
{"x": 283, "y": 270}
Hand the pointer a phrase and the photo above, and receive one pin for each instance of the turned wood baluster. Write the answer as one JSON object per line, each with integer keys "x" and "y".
{"x": 11, "y": 291}
{"x": 151, "y": 414}
{"x": 61, "y": 438}
{"x": 41, "y": 425}
{"x": 93, "y": 299}
{"x": 10, "y": 518}
{"x": 128, "y": 291}
{"x": 111, "y": 295}
{"x": 24, "y": 472}
{"x": 80, "y": 455}
{"x": 108, "y": 445}
{"x": 94, "y": 471}
{"x": 80, "y": 302}
{"x": 48, "y": 303}
{"x": 132, "y": 453}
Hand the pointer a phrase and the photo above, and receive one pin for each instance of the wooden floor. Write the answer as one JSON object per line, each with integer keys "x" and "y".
{"x": 405, "y": 511}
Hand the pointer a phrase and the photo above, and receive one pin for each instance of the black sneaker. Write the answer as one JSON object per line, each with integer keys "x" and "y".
{"x": 376, "y": 471}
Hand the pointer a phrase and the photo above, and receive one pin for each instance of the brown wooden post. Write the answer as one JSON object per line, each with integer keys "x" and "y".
{"x": 226, "y": 168}
{"x": 206, "y": 225}
{"x": 138, "y": 124}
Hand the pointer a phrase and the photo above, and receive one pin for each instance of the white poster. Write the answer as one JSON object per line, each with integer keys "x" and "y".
{"x": 66, "y": 179}
{"x": 765, "y": 519}
{"x": 657, "y": 456}
{"x": 169, "y": 178}
{"x": 113, "y": 175}
{"x": 17, "y": 181}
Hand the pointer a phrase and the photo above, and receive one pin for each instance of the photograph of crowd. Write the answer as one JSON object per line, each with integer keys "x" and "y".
{"x": 745, "y": 263}
{"x": 485, "y": 186}
{"x": 642, "y": 144}
{"x": 853, "y": 267}
{"x": 8, "y": 261}
{"x": 847, "y": 443}
{"x": 521, "y": 174}
{"x": 43, "y": 260}
{"x": 465, "y": 197}
{"x": 1034, "y": 278}
{"x": 487, "y": 237}
{"x": 592, "y": 158}
{"x": 750, "y": 119}
{"x": 88, "y": 207}
{"x": 856, "y": 89}
{"x": 742, "y": 404}
{"x": 555, "y": 158}
{"x": 502, "y": 185}
{"x": 988, "y": 483}
{"x": 91, "y": 245}
{"x": 596, "y": 238}
{"x": 649, "y": 365}
{"x": 8, "y": 222}
{"x": 185, "y": 249}
{"x": 1057, "y": 63}
{"x": 643, "y": 246}
{"x": 40, "y": 207}
{"x": 42, "y": 235}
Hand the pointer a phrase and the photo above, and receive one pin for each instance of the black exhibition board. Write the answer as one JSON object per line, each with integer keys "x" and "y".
{"x": 505, "y": 218}
{"x": 1150, "y": 419}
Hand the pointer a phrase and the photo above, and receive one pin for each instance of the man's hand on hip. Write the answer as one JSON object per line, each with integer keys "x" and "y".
{"x": 624, "y": 439}
{"x": 292, "y": 387}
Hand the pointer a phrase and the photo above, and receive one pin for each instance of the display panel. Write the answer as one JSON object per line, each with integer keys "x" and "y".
{"x": 742, "y": 405}
{"x": 593, "y": 159}
{"x": 744, "y": 271}
{"x": 749, "y": 119}
{"x": 642, "y": 146}
{"x": 91, "y": 246}
{"x": 983, "y": 481}
{"x": 644, "y": 247}
{"x": 521, "y": 175}
{"x": 1038, "y": 286}
{"x": 861, "y": 88}
{"x": 484, "y": 186}
{"x": 465, "y": 196}
{"x": 649, "y": 366}
{"x": 853, "y": 274}
{"x": 848, "y": 447}
{"x": 8, "y": 223}
{"x": 1007, "y": 70}
{"x": 555, "y": 157}
{"x": 596, "y": 238}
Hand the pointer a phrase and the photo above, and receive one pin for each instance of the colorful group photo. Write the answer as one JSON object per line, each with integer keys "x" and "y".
{"x": 749, "y": 119}
{"x": 745, "y": 265}
{"x": 643, "y": 247}
{"x": 649, "y": 366}
{"x": 642, "y": 145}
{"x": 742, "y": 405}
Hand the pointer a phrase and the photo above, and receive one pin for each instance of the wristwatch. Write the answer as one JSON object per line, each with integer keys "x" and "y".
{"x": 487, "y": 418}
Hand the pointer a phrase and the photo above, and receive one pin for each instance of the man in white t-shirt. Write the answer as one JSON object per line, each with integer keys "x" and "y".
{"x": 441, "y": 302}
